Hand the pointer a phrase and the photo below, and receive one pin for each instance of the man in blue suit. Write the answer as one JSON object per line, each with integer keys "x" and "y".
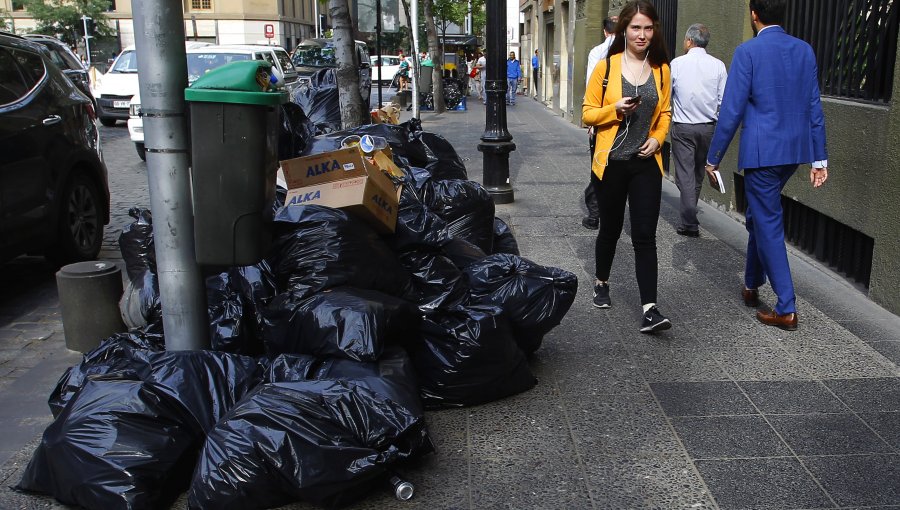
{"x": 773, "y": 89}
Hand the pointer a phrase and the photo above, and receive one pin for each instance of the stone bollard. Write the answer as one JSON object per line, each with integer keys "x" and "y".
{"x": 89, "y": 294}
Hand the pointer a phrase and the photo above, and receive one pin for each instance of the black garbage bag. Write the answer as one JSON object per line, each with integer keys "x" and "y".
{"x": 319, "y": 100}
{"x": 317, "y": 247}
{"x": 467, "y": 208}
{"x": 343, "y": 322}
{"x": 295, "y": 133}
{"x": 417, "y": 225}
{"x": 235, "y": 301}
{"x": 328, "y": 441}
{"x": 467, "y": 356}
{"x": 462, "y": 252}
{"x": 452, "y": 92}
{"x": 129, "y": 438}
{"x": 535, "y": 298}
{"x": 406, "y": 147}
{"x": 504, "y": 240}
{"x": 437, "y": 280}
{"x": 140, "y": 303}
{"x": 448, "y": 165}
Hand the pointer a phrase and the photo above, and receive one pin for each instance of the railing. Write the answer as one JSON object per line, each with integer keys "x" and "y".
{"x": 855, "y": 42}
{"x": 668, "y": 14}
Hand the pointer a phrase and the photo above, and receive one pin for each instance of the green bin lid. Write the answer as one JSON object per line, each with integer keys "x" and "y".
{"x": 235, "y": 83}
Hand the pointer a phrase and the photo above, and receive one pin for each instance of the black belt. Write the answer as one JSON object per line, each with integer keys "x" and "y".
{"x": 713, "y": 123}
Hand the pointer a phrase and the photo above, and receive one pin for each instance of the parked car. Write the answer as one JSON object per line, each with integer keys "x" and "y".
{"x": 116, "y": 88}
{"x": 390, "y": 64}
{"x": 54, "y": 196}
{"x": 311, "y": 55}
{"x": 67, "y": 61}
{"x": 202, "y": 60}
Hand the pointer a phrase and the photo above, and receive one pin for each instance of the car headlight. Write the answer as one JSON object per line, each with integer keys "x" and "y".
{"x": 134, "y": 110}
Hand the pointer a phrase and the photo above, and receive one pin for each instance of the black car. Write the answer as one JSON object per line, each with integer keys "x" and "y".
{"x": 54, "y": 196}
{"x": 312, "y": 55}
{"x": 67, "y": 61}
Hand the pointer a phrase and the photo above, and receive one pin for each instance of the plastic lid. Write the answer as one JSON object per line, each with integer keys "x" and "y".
{"x": 89, "y": 268}
{"x": 236, "y": 83}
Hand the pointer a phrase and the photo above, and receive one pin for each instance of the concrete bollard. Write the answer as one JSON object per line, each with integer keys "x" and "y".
{"x": 89, "y": 294}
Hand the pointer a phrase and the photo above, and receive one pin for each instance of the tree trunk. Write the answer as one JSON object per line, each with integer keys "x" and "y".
{"x": 436, "y": 58}
{"x": 352, "y": 112}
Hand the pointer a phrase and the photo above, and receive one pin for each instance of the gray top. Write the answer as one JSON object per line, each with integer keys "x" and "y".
{"x": 638, "y": 123}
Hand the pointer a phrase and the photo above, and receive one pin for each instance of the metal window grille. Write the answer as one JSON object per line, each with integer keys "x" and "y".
{"x": 668, "y": 14}
{"x": 201, "y": 5}
{"x": 855, "y": 42}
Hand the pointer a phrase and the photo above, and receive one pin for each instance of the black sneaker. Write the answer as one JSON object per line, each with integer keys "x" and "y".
{"x": 653, "y": 321}
{"x": 601, "y": 295}
{"x": 590, "y": 223}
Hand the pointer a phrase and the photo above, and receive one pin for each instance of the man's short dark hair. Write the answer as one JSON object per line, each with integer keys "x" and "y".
{"x": 609, "y": 25}
{"x": 769, "y": 12}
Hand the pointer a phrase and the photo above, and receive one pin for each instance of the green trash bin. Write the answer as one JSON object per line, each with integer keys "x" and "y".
{"x": 234, "y": 159}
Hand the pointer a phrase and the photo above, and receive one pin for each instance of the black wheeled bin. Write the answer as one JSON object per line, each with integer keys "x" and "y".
{"x": 234, "y": 158}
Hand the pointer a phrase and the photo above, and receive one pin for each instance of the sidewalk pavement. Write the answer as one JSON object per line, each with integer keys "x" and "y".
{"x": 718, "y": 412}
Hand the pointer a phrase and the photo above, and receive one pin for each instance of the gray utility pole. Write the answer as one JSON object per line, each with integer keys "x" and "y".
{"x": 496, "y": 142}
{"x": 162, "y": 67}
{"x": 87, "y": 38}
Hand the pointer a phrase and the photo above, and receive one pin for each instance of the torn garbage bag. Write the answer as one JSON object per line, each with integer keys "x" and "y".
{"x": 467, "y": 356}
{"x": 129, "y": 438}
{"x": 317, "y": 247}
{"x": 345, "y": 322}
{"x": 535, "y": 298}
{"x": 328, "y": 442}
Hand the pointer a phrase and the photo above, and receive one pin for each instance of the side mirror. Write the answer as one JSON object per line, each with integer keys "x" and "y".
{"x": 364, "y": 65}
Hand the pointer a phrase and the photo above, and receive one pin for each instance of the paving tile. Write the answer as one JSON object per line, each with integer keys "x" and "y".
{"x": 858, "y": 480}
{"x": 827, "y": 434}
{"x": 532, "y": 481}
{"x": 761, "y": 484}
{"x": 449, "y": 430}
{"x": 886, "y": 425}
{"x": 658, "y": 481}
{"x": 792, "y": 397}
{"x": 694, "y": 365}
{"x": 440, "y": 482}
{"x": 716, "y": 437}
{"x": 868, "y": 395}
{"x": 598, "y": 375}
{"x": 625, "y": 424}
{"x": 701, "y": 398}
{"x": 890, "y": 350}
{"x": 843, "y": 362}
{"x": 509, "y": 427}
{"x": 760, "y": 364}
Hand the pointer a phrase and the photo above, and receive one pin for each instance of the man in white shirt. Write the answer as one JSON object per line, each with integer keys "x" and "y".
{"x": 481, "y": 65}
{"x": 598, "y": 53}
{"x": 698, "y": 83}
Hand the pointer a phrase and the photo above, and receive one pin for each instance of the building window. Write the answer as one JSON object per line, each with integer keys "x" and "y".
{"x": 18, "y": 5}
{"x": 201, "y": 5}
{"x": 855, "y": 44}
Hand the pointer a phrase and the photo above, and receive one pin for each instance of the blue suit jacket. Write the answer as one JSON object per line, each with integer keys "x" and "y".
{"x": 773, "y": 89}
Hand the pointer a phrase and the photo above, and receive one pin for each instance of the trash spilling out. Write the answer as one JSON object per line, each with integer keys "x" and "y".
{"x": 325, "y": 354}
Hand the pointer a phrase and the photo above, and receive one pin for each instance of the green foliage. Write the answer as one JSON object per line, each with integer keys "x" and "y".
{"x": 62, "y": 18}
{"x": 5, "y": 20}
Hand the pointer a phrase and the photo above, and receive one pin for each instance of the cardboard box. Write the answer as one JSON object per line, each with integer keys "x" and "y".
{"x": 344, "y": 179}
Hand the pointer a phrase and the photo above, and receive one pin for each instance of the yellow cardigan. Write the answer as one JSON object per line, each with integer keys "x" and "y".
{"x": 607, "y": 120}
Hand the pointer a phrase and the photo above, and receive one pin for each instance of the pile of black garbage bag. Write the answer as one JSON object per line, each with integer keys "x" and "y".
{"x": 323, "y": 356}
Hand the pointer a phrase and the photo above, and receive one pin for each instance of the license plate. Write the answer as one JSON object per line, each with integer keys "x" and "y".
{"x": 121, "y": 104}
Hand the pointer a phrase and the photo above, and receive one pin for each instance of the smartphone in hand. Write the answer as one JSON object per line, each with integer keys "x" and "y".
{"x": 633, "y": 100}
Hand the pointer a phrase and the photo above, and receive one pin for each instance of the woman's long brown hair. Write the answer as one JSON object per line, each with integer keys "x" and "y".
{"x": 658, "y": 53}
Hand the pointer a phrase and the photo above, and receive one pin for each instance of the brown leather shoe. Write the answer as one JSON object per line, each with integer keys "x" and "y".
{"x": 751, "y": 297}
{"x": 787, "y": 322}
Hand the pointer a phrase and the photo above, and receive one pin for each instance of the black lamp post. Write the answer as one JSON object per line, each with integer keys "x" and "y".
{"x": 496, "y": 142}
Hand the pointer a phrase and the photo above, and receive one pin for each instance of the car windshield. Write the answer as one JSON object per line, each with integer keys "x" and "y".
{"x": 314, "y": 55}
{"x": 126, "y": 63}
{"x": 199, "y": 64}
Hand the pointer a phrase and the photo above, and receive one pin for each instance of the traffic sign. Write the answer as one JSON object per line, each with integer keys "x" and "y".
{"x": 270, "y": 31}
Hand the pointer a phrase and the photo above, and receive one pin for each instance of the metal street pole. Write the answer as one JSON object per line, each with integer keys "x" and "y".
{"x": 496, "y": 142}
{"x": 378, "y": 45}
{"x": 87, "y": 37}
{"x": 316, "y": 9}
{"x": 414, "y": 24}
{"x": 162, "y": 67}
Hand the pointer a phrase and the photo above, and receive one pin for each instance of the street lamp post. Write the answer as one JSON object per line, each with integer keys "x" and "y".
{"x": 496, "y": 142}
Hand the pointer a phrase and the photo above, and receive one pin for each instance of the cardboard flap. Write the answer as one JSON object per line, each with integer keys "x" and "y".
{"x": 325, "y": 167}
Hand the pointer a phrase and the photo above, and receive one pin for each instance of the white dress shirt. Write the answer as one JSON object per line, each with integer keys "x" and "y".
{"x": 597, "y": 54}
{"x": 698, "y": 83}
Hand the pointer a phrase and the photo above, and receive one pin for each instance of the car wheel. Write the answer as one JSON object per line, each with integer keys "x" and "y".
{"x": 107, "y": 121}
{"x": 80, "y": 229}
{"x": 141, "y": 150}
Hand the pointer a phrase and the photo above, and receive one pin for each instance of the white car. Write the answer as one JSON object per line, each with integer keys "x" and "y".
{"x": 115, "y": 89}
{"x": 390, "y": 66}
{"x": 207, "y": 58}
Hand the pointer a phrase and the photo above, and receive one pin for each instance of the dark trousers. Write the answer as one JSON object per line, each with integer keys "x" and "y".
{"x": 690, "y": 143}
{"x": 590, "y": 195}
{"x": 639, "y": 182}
{"x": 535, "y": 74}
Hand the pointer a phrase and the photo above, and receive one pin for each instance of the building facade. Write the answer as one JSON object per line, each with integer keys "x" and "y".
{"x": 852, "y": 224}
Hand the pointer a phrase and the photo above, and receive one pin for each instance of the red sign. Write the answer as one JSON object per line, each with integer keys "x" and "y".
{"x": 270, "y": 31}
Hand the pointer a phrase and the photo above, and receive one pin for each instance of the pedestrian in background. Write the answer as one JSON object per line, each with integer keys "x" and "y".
{"x": 698, "y": 82}
{"x": 513, "y": 76}
{"x": 482, "y": 66}
{"x": 476, "y": 78}
{"x": 631, "y": 114}
{"x": 773, "y": 90}
{"x": 597, "y": 53}
{"x": 535, "y": 68}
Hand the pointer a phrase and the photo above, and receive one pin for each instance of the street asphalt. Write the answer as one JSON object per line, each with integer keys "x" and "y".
{"x": 718, "y": 412}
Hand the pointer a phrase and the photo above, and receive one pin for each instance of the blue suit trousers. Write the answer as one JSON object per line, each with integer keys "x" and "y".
{"x": 766, "y": 252}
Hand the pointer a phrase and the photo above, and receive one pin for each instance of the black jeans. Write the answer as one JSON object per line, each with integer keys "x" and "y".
{"x": 590, "y": 194}
{"x": 639, "y": 182}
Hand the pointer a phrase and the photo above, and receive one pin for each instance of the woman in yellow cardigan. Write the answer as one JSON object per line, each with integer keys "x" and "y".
{"x": 631, "y": 113}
